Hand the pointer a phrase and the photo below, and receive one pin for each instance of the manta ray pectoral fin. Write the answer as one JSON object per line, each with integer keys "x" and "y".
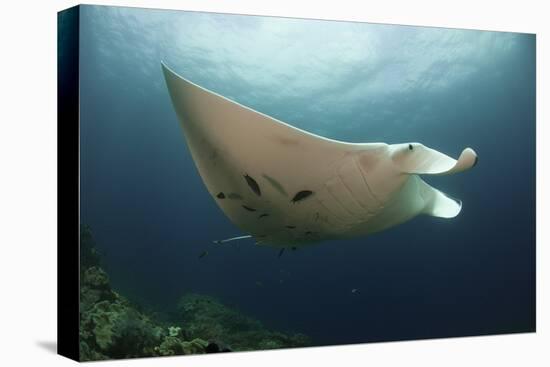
{"x": 437, "y": 203}
{"x": 418, "y": 159}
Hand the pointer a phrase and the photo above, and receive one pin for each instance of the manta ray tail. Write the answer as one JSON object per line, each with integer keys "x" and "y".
{"x": 232, "y": 239}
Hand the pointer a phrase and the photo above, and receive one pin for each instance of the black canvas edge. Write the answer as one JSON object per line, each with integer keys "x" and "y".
{"x": 68, "y": 227}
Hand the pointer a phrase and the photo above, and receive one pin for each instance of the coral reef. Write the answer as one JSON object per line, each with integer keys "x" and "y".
{"x": 112, "y": 327}
{"x": 207, "y": 318}
{"x": 174, "y": 330}
{"x": 175, "y": 346}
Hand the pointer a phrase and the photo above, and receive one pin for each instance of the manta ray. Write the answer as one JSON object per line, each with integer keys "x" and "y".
{"x": 286, "y": 187}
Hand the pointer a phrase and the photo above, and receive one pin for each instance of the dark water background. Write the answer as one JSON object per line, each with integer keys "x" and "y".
{"x": 449, "y": 89}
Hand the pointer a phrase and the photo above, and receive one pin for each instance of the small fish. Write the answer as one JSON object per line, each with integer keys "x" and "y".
{"x": 263, "y": 215}
{"x": 232, "y": 239}
{"x": 253, "y": 185}
{"x": 220, "y": 195}
{"x": 354, "y": 290}
{"x": 275, "y": 184}
{"x": 301, "y": 195}
{"x": 234, "y": 196}
{"x": 203, "y": 254}
{"x": 290, "y": 227}
{"x": 249, "y": 208}
{"x": 281, "y": 252}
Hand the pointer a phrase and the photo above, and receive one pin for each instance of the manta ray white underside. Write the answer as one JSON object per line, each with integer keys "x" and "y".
{"x": 287, "y": 187}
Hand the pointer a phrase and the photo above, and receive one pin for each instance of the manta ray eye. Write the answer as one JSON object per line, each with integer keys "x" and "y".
{"x": 410, "y": 147}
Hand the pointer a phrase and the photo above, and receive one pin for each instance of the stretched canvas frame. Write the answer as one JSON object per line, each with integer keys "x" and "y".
{"x": 98, "y": 321}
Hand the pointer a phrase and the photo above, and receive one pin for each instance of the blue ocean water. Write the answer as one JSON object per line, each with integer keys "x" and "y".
{"x": 448, "y": 89}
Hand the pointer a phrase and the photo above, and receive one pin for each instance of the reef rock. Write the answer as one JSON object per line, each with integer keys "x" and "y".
{"x": 206, "y": 318}
{"x": 112, "y": 327}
